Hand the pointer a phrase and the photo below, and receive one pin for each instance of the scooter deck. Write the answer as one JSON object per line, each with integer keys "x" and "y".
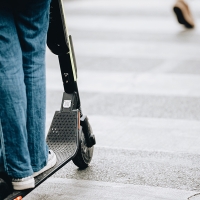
{"x": 63, "y": 139}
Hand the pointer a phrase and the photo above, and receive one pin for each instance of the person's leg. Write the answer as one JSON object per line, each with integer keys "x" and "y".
{"x": 32, "y": 25}
{"x": 15, "y": 158}
{"x": 183, "y": 14}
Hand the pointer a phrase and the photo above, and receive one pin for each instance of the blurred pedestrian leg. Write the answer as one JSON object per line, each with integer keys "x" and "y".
{"x": 183, "y": 14}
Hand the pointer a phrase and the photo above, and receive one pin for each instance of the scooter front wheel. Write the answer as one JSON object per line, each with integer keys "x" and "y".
{"x": 84, "y": 154}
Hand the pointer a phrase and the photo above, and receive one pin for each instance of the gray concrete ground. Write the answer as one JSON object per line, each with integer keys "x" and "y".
{"x": 139, "y": 81}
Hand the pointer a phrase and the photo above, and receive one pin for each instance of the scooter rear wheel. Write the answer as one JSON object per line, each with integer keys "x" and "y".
{"x": 84, "y": 154}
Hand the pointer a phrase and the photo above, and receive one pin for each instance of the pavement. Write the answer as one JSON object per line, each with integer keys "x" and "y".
{"x": 139, "y": 83}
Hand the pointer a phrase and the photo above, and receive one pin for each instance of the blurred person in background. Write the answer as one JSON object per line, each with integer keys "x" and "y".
{"x": 183, "y": 14}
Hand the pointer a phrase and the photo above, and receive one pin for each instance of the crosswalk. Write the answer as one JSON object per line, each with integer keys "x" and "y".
{"x": 139, "y": 82}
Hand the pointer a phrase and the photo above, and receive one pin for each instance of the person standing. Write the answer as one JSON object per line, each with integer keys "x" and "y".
{"x": 24, "y": 153}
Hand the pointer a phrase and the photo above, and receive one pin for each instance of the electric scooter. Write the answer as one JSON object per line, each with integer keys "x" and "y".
{"x": 70, "y": 135}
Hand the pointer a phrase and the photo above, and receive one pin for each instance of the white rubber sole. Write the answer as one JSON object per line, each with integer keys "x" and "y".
{"x": 23, "y": 185}
{"x": 49, "y": 165}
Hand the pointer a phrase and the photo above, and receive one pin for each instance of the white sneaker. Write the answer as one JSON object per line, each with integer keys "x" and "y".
{"x": 23, "y": 183}
{"x": 51, "y": 162}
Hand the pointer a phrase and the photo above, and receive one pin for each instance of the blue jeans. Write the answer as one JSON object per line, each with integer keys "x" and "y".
{"x": 23, "y": 149}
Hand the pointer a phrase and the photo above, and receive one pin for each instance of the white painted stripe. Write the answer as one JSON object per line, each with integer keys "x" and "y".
{"x": 139, "y": 24}
{"x": 137, "y": 49}
{"x": 83, "y": 189}
{"x": 131, "y": 83}
{"x": 147, "y": 134}
{"x": 119, "y": 6}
